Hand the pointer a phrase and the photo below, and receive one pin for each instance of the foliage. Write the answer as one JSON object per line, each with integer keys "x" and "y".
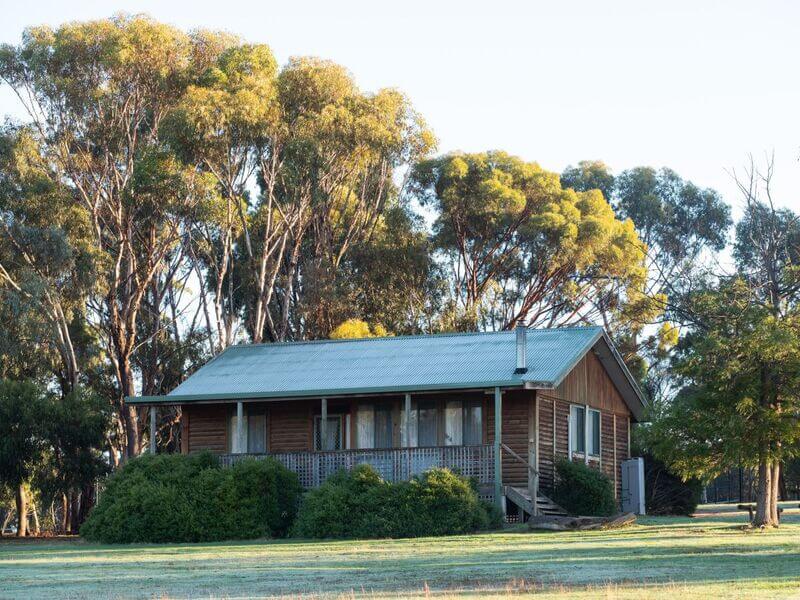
{"x": 359, "y": 504}
{"x": 523, "y": 247}
{"x": 734, "y": 369}
{"x": 667, "y": 494}
{"x": 582, "y": 490}
{"x": 681, "y": 225}
{"x": 180, "y": 498}
{"x": 356, "y": 328}
{"x": 23, "y": 420}
{"x": 75, "y": 429}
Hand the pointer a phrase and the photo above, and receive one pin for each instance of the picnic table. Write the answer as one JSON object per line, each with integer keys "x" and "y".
{"x": 751, "y": 509}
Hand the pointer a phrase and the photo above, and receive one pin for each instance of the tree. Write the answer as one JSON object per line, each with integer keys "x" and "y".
{"x": 741, "y": 396}
{"x": 355, "y": 328}
{"x": 46, "y": 257}
{"x": 22, "y": 444}
{"x": 96, "y": 93}
{"x": 682, "y": 226}
{"x": 522, "y": 247}
{"x": 74, "y": 430}
{"x": 741, "y": 362}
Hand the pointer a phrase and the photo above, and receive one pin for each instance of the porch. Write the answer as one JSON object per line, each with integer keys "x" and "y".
{"x": 393, "y": 464}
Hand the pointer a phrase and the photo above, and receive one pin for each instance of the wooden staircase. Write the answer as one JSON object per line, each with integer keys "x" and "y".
{"x": 522, "y": 498}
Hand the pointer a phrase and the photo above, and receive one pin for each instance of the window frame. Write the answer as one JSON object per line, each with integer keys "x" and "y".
{"x": 571, "y": 434}
{"x": 590, "y": 433}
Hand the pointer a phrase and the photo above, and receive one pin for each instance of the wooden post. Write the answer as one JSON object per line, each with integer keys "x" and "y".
{"x": 153, "y": 429}
{"x": 615, "y": 455}
{"x": 586, "y": 434}
{"x": 533, "y": 457}
{"x": 323, "y": 425}
{"x": 407, "y": 430}
{"x": 239, "y": 428}
{"x": 498, "y": 458}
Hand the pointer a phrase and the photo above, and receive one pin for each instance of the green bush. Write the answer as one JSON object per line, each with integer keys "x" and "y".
{"x": 359, "y": 504}
{"x": 584, "y": 491}
{"x": 177, "y": 498}
{"x": 667, "y": 494}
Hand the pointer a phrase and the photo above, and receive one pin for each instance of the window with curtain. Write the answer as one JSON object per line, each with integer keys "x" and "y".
{"x": 463, "y": 423}
{"x": 427, "y": 424}
{"x": 333, "y": 439}
{"x": 254, "y": 426}
{"x": 383, "y": 426}
{"x": 375, "y": 426}
{"x": 473, "y": 422}
{"x": 577, "y": 429}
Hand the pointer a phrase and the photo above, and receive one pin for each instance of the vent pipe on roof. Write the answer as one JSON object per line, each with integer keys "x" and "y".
{"x": 522, "y": 347}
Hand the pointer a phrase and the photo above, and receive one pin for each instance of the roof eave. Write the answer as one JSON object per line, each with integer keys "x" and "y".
{"x": 176, "y": 399}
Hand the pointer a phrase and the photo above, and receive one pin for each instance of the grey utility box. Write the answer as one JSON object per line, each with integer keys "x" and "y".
{"x": 633, "y": 486}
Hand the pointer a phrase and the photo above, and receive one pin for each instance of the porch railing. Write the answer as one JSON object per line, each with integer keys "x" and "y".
{"x": 395, "y": 464}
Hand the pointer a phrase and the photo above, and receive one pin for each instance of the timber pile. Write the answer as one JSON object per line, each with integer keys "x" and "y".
{"x": 552, "y": 523}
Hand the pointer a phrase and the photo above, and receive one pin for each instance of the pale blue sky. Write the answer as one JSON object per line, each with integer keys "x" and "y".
{"x": 695, "y": 86}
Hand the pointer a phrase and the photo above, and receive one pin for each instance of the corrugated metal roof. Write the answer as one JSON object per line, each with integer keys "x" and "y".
{"x": 393, "y": 364}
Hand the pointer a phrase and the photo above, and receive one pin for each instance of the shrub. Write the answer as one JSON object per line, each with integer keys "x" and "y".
{"x": 176, "y": 498}
{"x": 359, "y": 504}
{"x": 667, "y": 494}
{"x": 581, "y": 490}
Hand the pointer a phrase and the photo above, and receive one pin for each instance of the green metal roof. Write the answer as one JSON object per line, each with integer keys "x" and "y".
{"x": 392, "y": 365}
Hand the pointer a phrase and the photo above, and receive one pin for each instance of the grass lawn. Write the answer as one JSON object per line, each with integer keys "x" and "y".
{"x": 705, "y": 557}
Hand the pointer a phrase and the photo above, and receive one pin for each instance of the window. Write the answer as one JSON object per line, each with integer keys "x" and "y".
{"x": 463, "y": 423}
{"x": 333, "y": 433}
{"x": 257, "y": 432}
{"x": 473, "y": 422}
{"x": 583, "y": 435}
{"x": 594, "y": 432}
{"x": 374, "y": 426}
{"x": 427, "y": 424}
{"x": 577, "y": 429}
{"x": 383, "y": 426}
{"x": 254, "y": 425}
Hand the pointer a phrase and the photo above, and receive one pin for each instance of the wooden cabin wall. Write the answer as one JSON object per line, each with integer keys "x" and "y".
{"x": 290, "y": 425}
{"x": 515, "y": 434}
{"x": 206, "y": 428}
{"x": 587, "y": 384}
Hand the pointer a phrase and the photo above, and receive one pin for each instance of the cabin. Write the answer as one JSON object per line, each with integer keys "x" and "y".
{"x": 497, "y": 406}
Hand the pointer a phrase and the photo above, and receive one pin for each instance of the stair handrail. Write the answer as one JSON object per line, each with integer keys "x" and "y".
{"x": 519, "y": 458}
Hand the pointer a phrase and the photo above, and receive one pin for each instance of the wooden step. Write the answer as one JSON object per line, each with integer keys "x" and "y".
{"x": 522, "y": 498}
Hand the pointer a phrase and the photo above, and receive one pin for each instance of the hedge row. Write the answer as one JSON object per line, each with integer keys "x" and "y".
{"x": 359, "y": 504}
{"x": 176, "y": 498}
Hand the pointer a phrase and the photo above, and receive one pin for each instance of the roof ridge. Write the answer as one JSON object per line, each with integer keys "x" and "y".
{"x": 406, "y": 337}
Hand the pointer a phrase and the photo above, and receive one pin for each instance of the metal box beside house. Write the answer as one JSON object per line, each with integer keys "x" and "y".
{"x": 633, "y": 486}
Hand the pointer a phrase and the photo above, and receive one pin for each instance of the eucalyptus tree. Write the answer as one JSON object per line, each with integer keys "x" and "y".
{"x": 96, "y": 93}
{"x": 682, "y": 226}
{"x": 522, "y": 247}
{"x": 47, "y": 260}
{"x": 342, "y": 151}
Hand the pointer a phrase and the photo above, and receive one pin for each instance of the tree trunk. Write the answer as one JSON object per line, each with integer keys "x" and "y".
{"x": 22, "y": 510}
{"x": 74, "y": 513}
{"x": 130, "y": 414}
{"x": 64, "y": 525}
{"x": 36, "y": 526}
{"x": 763, "y": 517}
{"x": 774, "y": 497}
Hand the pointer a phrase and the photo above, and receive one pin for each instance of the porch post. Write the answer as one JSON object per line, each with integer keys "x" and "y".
{"x": 498, "y": 458}
{"x": 323, "y": 426}
{"x": 407, "y": 429}
{"x": 240, "y": 428}
{"x": 152, "y": 430}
